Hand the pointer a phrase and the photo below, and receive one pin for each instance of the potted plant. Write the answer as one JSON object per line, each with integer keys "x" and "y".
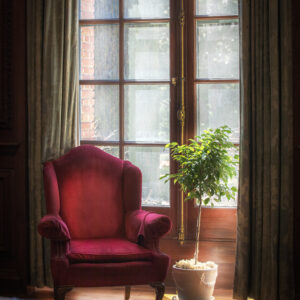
{"x": 204, "y": 169}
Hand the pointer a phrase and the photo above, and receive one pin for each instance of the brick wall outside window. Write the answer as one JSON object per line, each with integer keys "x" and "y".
{"x": 87, "y": 93}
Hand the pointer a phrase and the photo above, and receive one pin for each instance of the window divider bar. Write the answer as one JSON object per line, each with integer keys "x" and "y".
{"x": 121, "y": 79}
{"x": 129, "y": 143}
{"x": 165, "y": 20}
{"x": 117, "y": 143}
{"x": 138, "y": 144}
{"x": 117, "y": 21}
{"x": 98, "y": 82}
{"x": 98, "y": 22}
{"x": 141, "y": 82}
{"x": 233, "y": 17}
{"x": 212, "y": 81}
{"x": 115, "y": 82}
{"x": 100, "y": 143}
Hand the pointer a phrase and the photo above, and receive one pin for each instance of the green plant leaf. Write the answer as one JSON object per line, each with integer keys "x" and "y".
{"x": 204, "y": 165}
{"x": 206, "y": 201}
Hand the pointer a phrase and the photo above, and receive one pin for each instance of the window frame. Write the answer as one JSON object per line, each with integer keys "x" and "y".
{"x": 222, "y": 215}
{"x": 217, "y": 223}
{"x": 171, "y": 210}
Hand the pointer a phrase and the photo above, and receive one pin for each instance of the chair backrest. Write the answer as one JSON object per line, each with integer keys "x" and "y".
{"x": 90, "y": 192}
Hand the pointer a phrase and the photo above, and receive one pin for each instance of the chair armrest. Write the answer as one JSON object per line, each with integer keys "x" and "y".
{"x": 54, "y": 228}
{"x": 146, "y": 227}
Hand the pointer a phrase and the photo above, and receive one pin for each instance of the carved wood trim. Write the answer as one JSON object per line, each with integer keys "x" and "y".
{"x": 6, "y": 46}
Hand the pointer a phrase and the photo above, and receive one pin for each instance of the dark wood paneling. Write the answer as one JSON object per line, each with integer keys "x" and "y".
{"x": 13, "y": 208}
{"x": 296, "y": 80}
{"x": 6, "y": 7}
{"x": 6, "y": 192}
{"x": 217, "y": 224}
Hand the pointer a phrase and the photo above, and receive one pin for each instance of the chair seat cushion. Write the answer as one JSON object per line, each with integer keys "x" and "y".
{"x": 107, "y": 250}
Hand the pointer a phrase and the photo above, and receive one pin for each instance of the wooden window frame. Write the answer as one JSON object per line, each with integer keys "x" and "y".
{"x": 171, "y": 210}
{"x": 218, "y": 224}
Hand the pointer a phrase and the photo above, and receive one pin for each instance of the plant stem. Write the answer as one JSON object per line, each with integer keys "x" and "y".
{"x": 198, "y": 232}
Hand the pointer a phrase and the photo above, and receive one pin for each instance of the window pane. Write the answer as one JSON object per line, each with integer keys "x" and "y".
{"x": 113, "y": 150}
{"x": 99, "y": 112}
{"x": 217, "y": 49}
{"x": 153, "y": 162}
{"x": 147, "y": 51}
{"x": 217, "y": 7}
{"x": 146, "y": 9}
{"x": 218, "y": 105}
{"x": 99, "y": 9}
{"x": 99, "y": 51}
{"x": 147, "y": 113}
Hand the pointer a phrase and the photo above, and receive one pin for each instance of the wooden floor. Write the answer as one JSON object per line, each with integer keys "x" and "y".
{"x": 116, "y": 293}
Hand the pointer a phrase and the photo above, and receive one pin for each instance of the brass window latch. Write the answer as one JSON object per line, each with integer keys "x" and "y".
{"x": 181, "y": 115}
{"x": 174, "y": 81}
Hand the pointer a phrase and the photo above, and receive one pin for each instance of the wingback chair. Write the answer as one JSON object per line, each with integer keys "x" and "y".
{"x": 99, "y": 234}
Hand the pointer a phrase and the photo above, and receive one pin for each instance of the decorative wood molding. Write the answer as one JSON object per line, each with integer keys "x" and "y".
{"x": 14, "y": 272}
{"x": 6, "y": 46}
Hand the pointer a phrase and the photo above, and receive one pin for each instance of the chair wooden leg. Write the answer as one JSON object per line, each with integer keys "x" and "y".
{"x": 127, "y": 292}
{"x": 60, "y": 292}
{"x": 159, "y": 289}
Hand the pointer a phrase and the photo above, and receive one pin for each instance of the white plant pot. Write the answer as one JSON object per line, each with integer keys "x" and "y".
{"x": 194, "y": 284}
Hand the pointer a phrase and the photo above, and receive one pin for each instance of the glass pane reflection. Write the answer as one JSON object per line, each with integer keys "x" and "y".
{"x": 99, "y": 9}
{"x": 99, "y": 112}
{"x": 218, "y": 49}
{"x": 217, "y": 7}
{"x": 146, "y": 9}
{"x": 218, "y": 105}
{"x": 153, "y": 162}
{"x": 99, "y": 52}
{"x": 147, "y": 51}
{"x": 147, "y": 113}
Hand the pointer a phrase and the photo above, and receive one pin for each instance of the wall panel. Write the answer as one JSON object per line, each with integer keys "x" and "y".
{"x": 13, "y": 207}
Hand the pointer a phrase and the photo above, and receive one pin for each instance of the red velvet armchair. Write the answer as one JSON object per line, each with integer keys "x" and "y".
{"x": 99, "y": 234}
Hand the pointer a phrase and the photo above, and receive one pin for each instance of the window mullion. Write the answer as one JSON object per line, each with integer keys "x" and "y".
{"x": 121, "y": 77}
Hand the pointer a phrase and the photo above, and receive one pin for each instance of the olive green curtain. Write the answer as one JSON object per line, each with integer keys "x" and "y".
{"x": 264, "y": 258}
{"x": 52, "y": 60}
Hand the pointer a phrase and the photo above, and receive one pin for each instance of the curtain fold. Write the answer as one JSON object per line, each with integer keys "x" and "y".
{"x": 264, "y": 257}
{"x": 52, "y": 63}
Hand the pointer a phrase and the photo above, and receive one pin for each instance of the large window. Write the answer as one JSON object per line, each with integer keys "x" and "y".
{"x": 130, "y": 69}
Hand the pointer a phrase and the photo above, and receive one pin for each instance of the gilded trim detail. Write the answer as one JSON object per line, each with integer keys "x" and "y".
{"x": 181, "y": 114}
